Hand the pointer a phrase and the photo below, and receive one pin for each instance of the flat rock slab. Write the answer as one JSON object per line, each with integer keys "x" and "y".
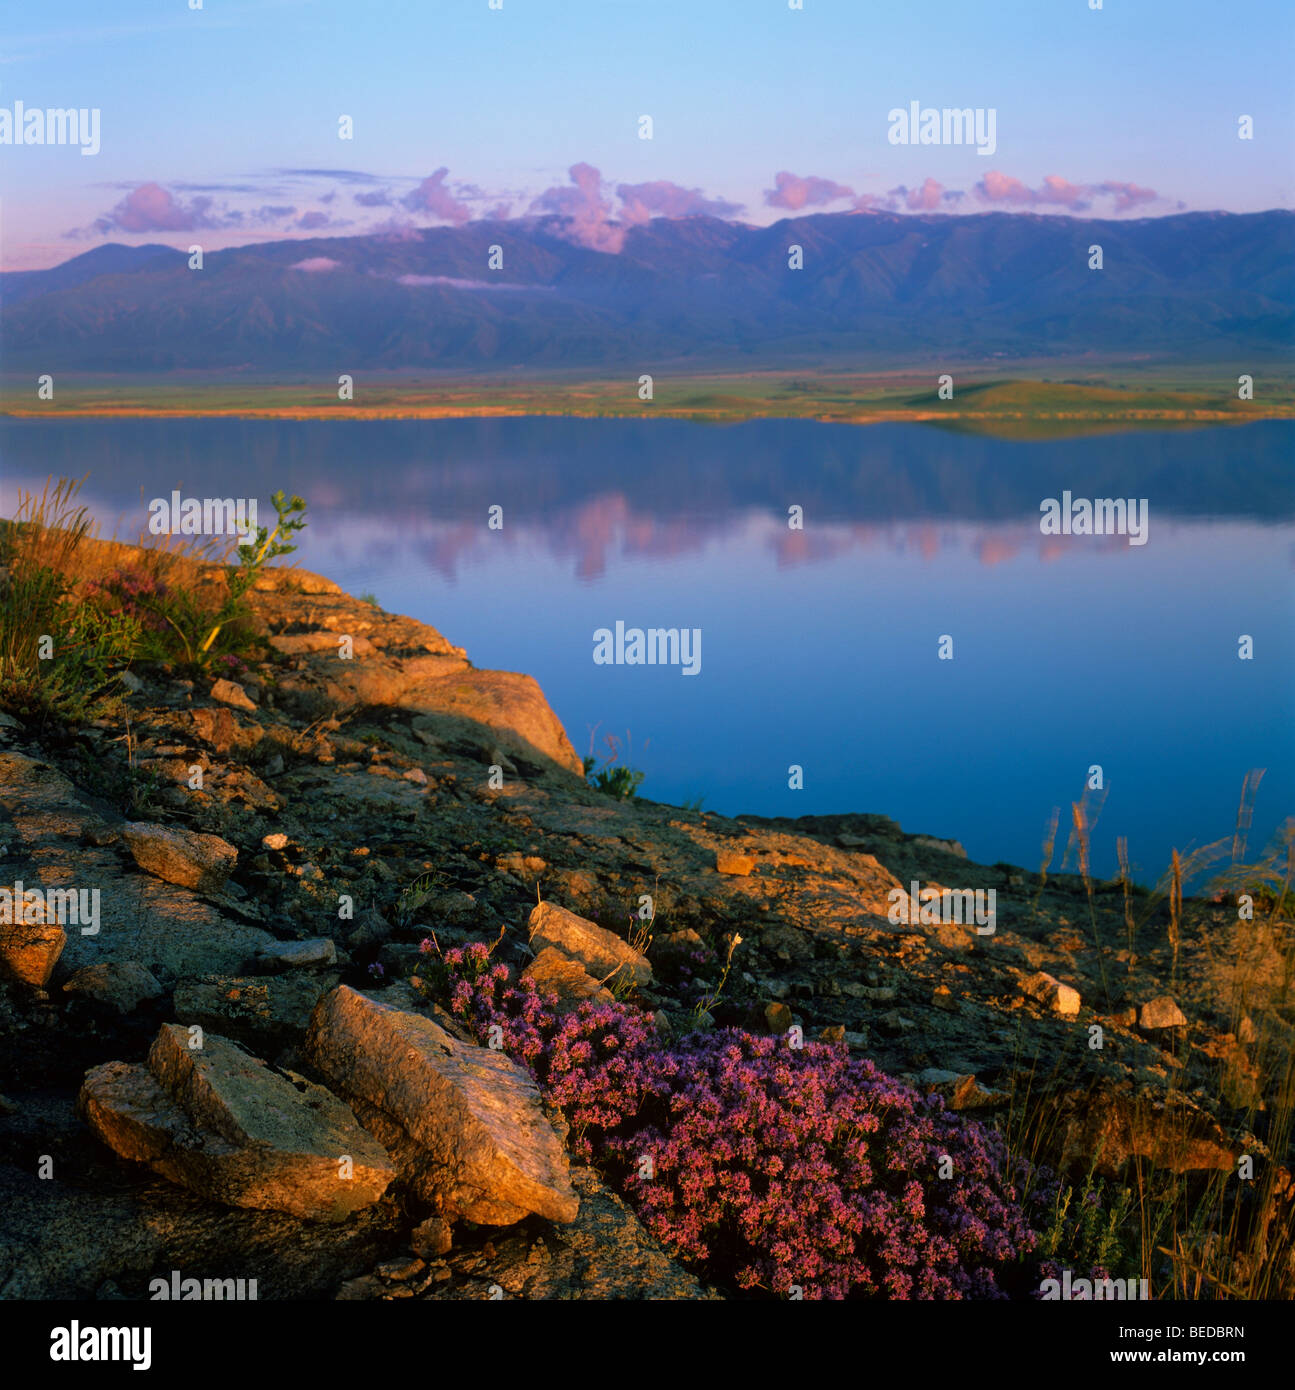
{"x": 141, "y": 918}
{"x": 221, "y": 1123}
{"x": 465, "y": 1123}
{"x": 600, "y": 952}
{"x": 263, "y": 1012}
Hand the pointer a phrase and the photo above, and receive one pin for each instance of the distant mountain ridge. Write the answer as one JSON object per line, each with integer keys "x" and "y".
{"x": 1191, "y": 286}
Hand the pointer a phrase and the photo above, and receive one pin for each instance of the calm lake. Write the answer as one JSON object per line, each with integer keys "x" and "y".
{"x": 819, "y": 646}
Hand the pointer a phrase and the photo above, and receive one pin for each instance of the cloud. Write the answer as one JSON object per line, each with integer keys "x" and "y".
{"x": 316, "y": 264}
{"x": 641, "y": 201}
{"x": 378, "y": 198}
{"x": 585, "y": 209}
{"x": 313, "y": 221}
{"x": 1127, "y": 195}
{"x": 793, "y": 192}
{"x": 1055, "y": 191}
{"x": 150, "y": 208}
{"x": 340, "y": 175}
{"x": 927, "y": 198}
{"x": 432, "y": 197}
{"x": 418, "y": 281}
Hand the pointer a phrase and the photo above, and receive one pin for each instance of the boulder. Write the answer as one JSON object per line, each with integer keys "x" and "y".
{"x": 600, "y": 952}
{"x": 728, "y": 861}
{"x": 317, "y": 952}
{"x": 182, "y": 857}
{"x": 554, "y": 973}
{"x": 231, "y": 693}
{"x": 465, "y": 1123}
{"x": 121, "y": 984}
{"x": 29, "y": 951}
{"x": 1052, "y": 994}
{"x": 221, "y": 1123}
{"x": 1161, "y": 1013}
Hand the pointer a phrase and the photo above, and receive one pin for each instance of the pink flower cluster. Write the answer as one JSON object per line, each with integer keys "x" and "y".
{"x": 796, "y": 1171}
{"x": 130, "y": 590}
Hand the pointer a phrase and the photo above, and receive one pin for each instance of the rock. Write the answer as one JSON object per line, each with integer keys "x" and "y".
{"x": 604, "y": 1255}
{"x": 222, "y": 730}
{"x": 121, "y": 984}
{"x": 728, "y": 861}
{"x": 571, "y": 982}
{"x": 833, "y": 1033}
{"x": 277, "y": 840}
{"x": 1161, "y": 1013}
{"x": 361, "y": 1290}
{"x": 601, "y": 952}
{"x": 131, "y": 681}
{"x": 1052, "y": 994}
{"x": 370, "y": 928}
{"x": 231, "y": 693}
{"x": 678, "y": 945}
{"x": 263, "y": 1012}
{"x": 29, "y": 951}
{"x": 894, "y": 1024}
{"x": 465, "y": 1123}
{"x": 221, "y": 1123}
{"x": 296, "y": 955}
{"x": 182, "y": 857}
{"x": 416, "y": 775}
{"x": 432, "y": 1238}
{"x": 960, "y": 1090}
{"x": 400, "y": 1271}
{"x": 777, "y": 1017}
{"x": 948, "y": 846}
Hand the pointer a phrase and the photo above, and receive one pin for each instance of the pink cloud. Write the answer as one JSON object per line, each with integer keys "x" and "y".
{"x": 150, "y": 208}
{"x": 926, "y": 198}
{"x": 585, "y": 209}
{"x": 1001, "y": 188}
{"x": 1127, "y": 195}
{"x": 431, "y": 196}
{"x": 1055, "y": 191}
{"x": 640, "y": 201}
{"x": 316, "y": 264}
{"x": 793, "y": 192}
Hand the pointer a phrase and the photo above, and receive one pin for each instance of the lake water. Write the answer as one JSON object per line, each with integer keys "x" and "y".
{"x": 819, "y": 646}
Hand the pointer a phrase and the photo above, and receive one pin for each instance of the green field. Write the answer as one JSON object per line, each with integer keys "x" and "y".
{"x": 1035, "y": 400}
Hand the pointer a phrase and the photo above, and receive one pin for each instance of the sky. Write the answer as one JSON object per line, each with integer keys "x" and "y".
{"x": 220, "y": 126}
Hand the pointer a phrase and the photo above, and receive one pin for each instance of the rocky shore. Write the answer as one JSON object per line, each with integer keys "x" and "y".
{"x": 234, "y": 1074}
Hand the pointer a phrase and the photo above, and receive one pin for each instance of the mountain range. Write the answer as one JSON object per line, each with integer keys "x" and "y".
{"x": 874, "y": 287}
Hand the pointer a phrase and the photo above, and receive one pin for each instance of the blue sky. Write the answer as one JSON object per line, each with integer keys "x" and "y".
{"x": 1131, "y": 110}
